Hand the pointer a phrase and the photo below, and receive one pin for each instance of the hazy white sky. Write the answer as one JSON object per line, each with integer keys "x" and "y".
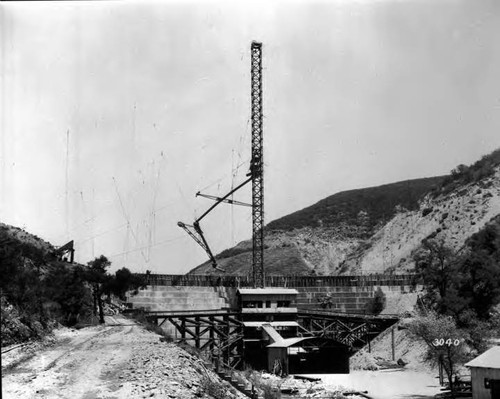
{"x": 114, "y": 114}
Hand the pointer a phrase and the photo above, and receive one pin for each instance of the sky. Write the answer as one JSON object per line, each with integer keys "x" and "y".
{"x": 115, "y": 113}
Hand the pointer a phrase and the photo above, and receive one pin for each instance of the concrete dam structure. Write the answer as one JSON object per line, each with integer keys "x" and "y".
{"x": 344, "y": 294}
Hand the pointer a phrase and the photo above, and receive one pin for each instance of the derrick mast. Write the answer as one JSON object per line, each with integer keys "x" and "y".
{"x": 256, "y": 176}
{"x": 256, "y": 166}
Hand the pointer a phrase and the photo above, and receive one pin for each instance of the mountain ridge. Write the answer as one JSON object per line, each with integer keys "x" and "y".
{"x": 375, "y": 229}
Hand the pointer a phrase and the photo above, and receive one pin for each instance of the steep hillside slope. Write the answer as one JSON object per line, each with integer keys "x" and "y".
{"x": 318, "y": 238}
{"x": 451, "y": 218}
{"x": 377, "y": 229}
{"x": 32, "y": 248}
{"x": 278, "y": 260}
{"x": 16, "y": 234}
{"x": 356, "y": 213}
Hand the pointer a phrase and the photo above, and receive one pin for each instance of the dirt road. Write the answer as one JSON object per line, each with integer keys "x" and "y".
{"x": 117, "y": 360}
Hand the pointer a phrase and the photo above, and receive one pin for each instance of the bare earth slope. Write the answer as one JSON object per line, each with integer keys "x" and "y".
{"x": 118, "y": 360}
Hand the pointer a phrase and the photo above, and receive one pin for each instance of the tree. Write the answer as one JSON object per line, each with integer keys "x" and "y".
{"x": 480, "y": 270}
{"x": 377, "y": 303}
{"x": 436, "y": 264}
{"x": 123, "y": 280}
{"x": 459, "y": 170}
{"x": 66, "y": 286}
{"x": 98, "y": 278}
{"x": 444, "y": 341}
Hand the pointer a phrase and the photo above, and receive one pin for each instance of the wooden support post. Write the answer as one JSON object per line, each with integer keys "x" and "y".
{"x": 211, "y": 334}
{"x": 392, "y": 344}
{"x": 197, "y": 332}
{"x": 227, "y": 350}
{"x": 183, "y": 329}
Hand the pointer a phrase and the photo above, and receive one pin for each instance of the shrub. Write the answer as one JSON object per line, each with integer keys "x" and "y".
{"x": 214, "y": 388}
{"x": 267, "y": 389}
{"x": 476, "y": 172}
{"x": 426, "y": 211}
{"x": 377, "y": 303}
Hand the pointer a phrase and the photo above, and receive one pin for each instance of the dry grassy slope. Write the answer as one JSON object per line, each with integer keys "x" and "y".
{"x": 284, "y": 260}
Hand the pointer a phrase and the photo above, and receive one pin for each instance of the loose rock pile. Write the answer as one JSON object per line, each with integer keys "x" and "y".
{"x": 164, "y": 370}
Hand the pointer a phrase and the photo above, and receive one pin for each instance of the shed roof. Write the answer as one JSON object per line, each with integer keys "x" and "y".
{"x": 287, "y": 342}
{"x": 273, "y": 323}
{"x": 268, "y": 291}
{"x": 489, "y": 359}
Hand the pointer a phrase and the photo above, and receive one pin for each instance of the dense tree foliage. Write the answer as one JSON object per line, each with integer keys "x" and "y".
{"x": 465, "y": 282}
{"x": 37, "y": 290}
{"x": 437, "y": 265}
{"x": 67, "y": 287}
{"x": 20, "y": 266}
{"x": 479, "y": 272}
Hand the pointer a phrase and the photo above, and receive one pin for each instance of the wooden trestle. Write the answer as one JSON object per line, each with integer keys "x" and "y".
{"x": 218, "y": 332}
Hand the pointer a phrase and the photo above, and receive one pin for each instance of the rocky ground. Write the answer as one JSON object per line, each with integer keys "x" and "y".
{"x": 118, "y": 360}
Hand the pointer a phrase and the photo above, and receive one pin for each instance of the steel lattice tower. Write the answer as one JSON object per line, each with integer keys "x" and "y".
{"x": 256, "y": 166}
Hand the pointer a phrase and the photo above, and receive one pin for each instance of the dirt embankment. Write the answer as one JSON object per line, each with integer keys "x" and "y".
{"x": 118, "y": 360}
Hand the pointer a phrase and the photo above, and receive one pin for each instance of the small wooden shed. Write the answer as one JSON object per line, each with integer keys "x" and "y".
{"x": 485, "y": 374}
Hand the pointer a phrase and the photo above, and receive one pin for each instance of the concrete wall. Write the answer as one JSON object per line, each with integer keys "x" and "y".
{"x": 343, "y": 298}
{"x": 177, "y": 298}
{"x": 354, "y": 299}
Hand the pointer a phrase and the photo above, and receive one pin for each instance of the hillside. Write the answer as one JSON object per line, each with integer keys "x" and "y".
{"x": 377, "y": 229}
{"x": 357, "y": 213}
{"x": 278, "y": 260}
{"x": 33, "y": 249}
{"x": 16, "y": 234}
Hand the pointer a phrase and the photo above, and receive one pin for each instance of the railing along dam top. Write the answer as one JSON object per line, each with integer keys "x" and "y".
{"x": 197, "y": 280}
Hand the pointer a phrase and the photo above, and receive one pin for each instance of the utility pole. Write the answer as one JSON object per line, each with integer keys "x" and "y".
{"x": 257, "y": 167}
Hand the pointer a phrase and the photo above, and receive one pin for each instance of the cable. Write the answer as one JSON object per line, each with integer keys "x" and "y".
{"x": 127, "y": 217}
{"x": 102, "y": 233}
{"x": 154, "y": 245}
{"x": 87, "y": 220}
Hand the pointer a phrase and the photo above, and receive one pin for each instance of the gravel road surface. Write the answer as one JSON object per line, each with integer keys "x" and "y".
{"x": 117, "y": 360}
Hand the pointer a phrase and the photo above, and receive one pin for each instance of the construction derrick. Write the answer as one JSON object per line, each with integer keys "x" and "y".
{"x": 256, "y": 167}
{"x": 256, "y": 176}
